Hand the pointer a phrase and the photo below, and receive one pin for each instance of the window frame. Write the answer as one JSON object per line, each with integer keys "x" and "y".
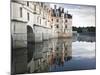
{"x": 28, "y": 16}
{"x": 27, "y": 3}
{"x": 21, "y": 14}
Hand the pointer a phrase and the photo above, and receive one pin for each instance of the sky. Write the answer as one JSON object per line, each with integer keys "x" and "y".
{"x": 83, "y": 49}
{"x": 83, "y": 15}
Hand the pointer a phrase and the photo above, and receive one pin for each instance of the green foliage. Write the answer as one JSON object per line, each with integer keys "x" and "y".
{"x": 84, "y": 29}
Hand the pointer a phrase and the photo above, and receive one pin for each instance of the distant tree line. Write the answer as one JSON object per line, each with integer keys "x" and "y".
{"x": 84, "y": 29}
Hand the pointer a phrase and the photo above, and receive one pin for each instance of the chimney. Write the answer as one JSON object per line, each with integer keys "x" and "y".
{"x": 55, "y": 6}
{"x": 62, "y": 10}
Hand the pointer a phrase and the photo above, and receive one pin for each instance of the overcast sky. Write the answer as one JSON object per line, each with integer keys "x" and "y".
{"x": 83, "y": 15}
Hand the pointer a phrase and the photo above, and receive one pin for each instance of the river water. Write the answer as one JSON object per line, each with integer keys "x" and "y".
{"x": 67, "y": 54}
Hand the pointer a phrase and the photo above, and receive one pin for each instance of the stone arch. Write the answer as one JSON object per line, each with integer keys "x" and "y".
{"x": 30, "y": 34}
{"x": 30, "y": 43}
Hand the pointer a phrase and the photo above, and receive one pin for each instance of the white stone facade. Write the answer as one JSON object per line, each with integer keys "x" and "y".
{"x": 32, "y": 22}
{"x": 61, "y": 22}
{"x": 38, "y": 16}
{"x": 50, "y": 53}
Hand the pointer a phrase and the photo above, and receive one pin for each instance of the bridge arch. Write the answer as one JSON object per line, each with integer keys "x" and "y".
{"x": 30, "y": 43}
{"x": 30, "y": 34}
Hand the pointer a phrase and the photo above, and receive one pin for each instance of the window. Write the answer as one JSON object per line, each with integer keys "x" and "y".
{"x": 57, "y": 20}
{"x": 28, "y": 16}
{"x": 40, "y": 21}
{"x": 51, "y": 26}
{"x": 27, "y": 3}
{"x": 14, "y": 28}
{"x": 44, "y": 7}
{"x": 41, "y": 4}
{"x": 57, "y": 26}
{"x": 34, "y": 7}
{"x": 65, "y": 54}
{"x": 52, "y": 19}
{"x": 57, "y": 54}
{"x": 37, "y": 19}
{"x": 20, "y": 12}
{"x": 40, "y": 10}
{"x": 65, "y": 26}
{"x": 51, "y": 48}
{"x": 65, "y": 48}
{"x": 65, "y": 20}
{"x": 57, "y": 48}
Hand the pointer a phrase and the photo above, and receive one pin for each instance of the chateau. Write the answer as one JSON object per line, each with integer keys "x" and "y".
{"x": 35, "y": 22}
{"x": 39, "y": 20}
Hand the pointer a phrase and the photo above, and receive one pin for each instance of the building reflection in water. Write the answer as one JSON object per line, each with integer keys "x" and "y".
{"x": 50, "y": 53}
{"x": 45, "y": 56}
{"x": 19, "y": 61}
